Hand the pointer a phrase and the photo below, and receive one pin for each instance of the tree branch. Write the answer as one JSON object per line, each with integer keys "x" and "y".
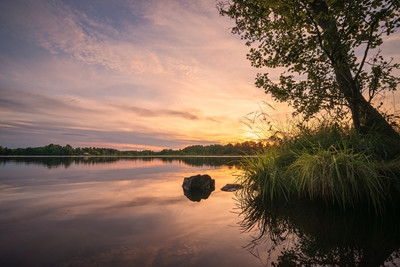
{"x": 372, "y": 24}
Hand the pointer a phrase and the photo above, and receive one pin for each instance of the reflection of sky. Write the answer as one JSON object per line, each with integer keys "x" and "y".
{"x": 84, "y": 216}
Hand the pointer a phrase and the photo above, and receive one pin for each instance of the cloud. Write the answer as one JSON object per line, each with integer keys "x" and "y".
{"x": 171, "y": 37}
{"x": 143, "y": 112}
{"x": 167, "y": 70}
{"x": 58, "y": 28}
{"x": 18, "y": 101}
{"x": 25, "y": 133}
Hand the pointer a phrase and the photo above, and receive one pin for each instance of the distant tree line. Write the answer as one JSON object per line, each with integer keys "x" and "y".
{"x": 244, "y": 148}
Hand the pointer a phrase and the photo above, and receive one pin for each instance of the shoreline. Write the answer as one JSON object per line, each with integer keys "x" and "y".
{"x": 116, "y": 156}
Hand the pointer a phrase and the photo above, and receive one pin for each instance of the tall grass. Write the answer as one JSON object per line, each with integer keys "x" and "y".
{"x": 264, "y": 175}
{"x": 322, "y": 161}
{"x": 339, "y": 175}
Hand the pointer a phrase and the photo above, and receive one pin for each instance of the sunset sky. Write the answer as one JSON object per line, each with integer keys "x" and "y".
{"x": 125, "y": 74}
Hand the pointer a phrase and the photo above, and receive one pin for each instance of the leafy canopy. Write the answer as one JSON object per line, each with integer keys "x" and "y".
{"x": 323, "y": 46}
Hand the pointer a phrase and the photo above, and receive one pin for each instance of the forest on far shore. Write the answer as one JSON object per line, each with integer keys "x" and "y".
{"x": 244, "y": 148}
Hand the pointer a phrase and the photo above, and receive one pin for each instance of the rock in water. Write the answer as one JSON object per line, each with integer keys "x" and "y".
{"x": 231, "y": 187}
{"x": 198, "y": 182}
{"x": 198, "y": 187}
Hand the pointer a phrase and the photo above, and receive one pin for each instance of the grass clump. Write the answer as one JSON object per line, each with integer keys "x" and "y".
{"x": 339, "y": 176}
{"x": 325, "y": 162}
{"x": 264, "y": 174}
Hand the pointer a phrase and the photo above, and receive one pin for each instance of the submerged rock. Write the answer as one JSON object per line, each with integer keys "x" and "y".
{"x": 231, "y": 187}
{"x": 198, "y": 187}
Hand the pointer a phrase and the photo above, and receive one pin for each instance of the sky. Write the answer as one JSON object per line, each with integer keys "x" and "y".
{"x": 124, "y": 74}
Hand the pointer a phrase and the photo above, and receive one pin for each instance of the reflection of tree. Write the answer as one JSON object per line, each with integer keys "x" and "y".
{"x": 204, "y": 161}
{"x": 54, "y": 162}
{"x": 311, "y": 235}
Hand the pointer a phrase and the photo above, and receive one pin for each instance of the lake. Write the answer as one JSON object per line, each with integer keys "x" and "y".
{"x": 99, "y": 211}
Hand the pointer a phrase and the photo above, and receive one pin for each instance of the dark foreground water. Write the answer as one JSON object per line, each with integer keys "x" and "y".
{"x": 133, "y": 212}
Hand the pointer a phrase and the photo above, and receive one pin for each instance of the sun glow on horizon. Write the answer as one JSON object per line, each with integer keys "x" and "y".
{"x": 151, "y": 75}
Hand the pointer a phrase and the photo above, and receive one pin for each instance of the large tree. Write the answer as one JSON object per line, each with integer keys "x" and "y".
{"x": 325, "y": 47}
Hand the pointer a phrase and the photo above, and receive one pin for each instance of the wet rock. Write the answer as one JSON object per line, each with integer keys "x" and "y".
{"x": 231, "y": 187}
{"x": 198, "y": 182}
{"x": 198, "y": 187}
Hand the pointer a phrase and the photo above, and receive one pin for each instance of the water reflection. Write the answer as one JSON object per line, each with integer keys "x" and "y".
{"x": 54, "y": 162}
{"x": 197, "y": 195}
{"x": 307, "y": 234}
{"x": 129, "y": 212}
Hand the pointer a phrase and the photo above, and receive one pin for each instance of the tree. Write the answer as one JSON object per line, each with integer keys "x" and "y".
{"x": 317, "y": 42}
{"x": 68, "y": 150}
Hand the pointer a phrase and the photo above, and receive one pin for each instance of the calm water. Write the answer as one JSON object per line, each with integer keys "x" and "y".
{"x": 116, "y": 212}
{"x": 133, "y": 212}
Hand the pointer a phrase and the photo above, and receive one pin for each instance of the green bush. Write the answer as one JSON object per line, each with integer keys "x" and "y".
{"x": 326, "y": 162}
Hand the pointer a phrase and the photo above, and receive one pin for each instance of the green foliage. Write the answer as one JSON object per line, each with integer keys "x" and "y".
{"x": 339, "y": 176}
{"x": 317, "y": 43}
{"x": 323, "y": 161}
{"x": 263, "y": 174}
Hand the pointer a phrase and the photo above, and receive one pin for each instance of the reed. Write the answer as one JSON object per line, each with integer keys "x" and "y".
{"x": 339, "y": 176}
{"x": 265, "y": 175}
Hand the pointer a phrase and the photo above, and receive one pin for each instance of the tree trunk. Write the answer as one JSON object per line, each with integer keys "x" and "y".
{"x": 374, "y": 121}
{"x": 365, "y": 117}
{"x": 348, "y": 88}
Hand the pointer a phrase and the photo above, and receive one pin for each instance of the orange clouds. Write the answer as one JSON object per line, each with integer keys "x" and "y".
{"x": 167, "y": 70}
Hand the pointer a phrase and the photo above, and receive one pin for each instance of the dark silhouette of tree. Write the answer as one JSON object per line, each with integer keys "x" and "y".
{"x": 317, "y": 42}
{"x": 244, "y": 148}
